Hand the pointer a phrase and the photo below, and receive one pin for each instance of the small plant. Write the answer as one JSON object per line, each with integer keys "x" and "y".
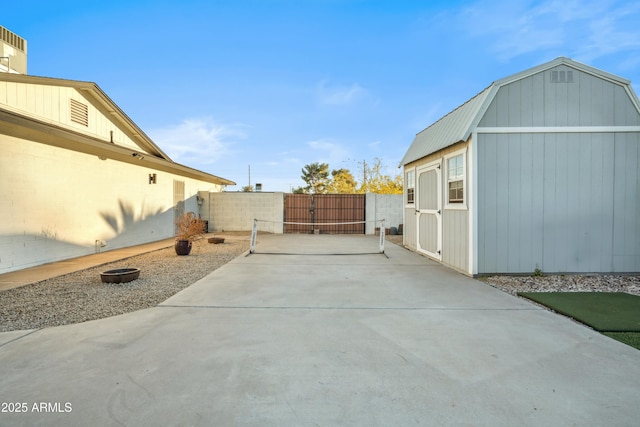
{"x": 189, "y": 227}
{"x": 537, "y": 272}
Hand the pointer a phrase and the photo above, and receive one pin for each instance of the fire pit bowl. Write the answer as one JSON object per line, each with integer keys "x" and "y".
{"x": 120, "y": 275}
{"x": 216, "y": 240}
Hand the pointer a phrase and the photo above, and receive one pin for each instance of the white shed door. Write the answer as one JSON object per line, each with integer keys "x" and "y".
{"x": 429, "y": 211}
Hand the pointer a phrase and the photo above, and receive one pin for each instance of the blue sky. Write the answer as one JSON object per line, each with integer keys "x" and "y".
{"x": 277, "y": 84}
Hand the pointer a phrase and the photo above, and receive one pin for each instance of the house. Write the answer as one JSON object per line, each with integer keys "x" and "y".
{"x": 79, "y": 176}
{"x": 540, "y": 170}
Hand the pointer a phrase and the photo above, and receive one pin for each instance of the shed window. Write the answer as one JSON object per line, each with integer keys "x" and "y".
{"x": 410, "y": 185}
{"x": 455, "y": 178}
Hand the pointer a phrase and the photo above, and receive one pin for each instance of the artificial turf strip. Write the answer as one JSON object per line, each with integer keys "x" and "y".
{"x": 629, "y": 338}
{"x": 603, "y": 311}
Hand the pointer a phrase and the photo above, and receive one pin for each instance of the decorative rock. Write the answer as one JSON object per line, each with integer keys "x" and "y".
{"x": 81, "y": 296}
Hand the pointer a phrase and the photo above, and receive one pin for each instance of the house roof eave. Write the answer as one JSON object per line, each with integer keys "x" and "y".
{"x": 28, "y": 128}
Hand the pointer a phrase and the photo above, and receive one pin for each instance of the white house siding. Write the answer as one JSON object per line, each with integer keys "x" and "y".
{"x": 52, "y": 104}
{"x": 70, "y": 185}
{"x": 58, "y": 202}
{"x": 561, "y": 202}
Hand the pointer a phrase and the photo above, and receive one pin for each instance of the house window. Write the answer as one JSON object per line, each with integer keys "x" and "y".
{"x": 410, "y": 185}
{"x": 455, "y": 178}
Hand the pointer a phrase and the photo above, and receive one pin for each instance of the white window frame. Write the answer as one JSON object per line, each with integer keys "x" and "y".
{"x": 406, "y": 187}
{"x": 465, "y": 181}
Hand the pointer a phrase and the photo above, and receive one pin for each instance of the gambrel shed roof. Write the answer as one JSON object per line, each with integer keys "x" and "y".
{"x": 459, "y": 124}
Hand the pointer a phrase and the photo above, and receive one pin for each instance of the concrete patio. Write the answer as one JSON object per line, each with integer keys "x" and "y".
{"x": 312, "y": 339}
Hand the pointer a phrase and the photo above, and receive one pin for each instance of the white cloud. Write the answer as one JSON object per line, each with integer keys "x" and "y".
{"x": 584, "y": 29}
{"x": 197, "y": 141}
{"x": 339, "y": 95}
{"x": 334, "y": 153}
{"x": 285, "y": 161}
{"x": 291, "y": 160}
{"x": 284, "y": 158}
{"x": 609, "y": 34}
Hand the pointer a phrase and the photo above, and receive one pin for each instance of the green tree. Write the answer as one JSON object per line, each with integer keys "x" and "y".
{"x": 342, "y": 181}
{"x": 247, "y": 189}
{"x": 316, "y": 175}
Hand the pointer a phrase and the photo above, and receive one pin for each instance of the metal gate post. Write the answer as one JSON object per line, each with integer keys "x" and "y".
{"x": 313, "y": 214}
{"x": 254, "y": 233}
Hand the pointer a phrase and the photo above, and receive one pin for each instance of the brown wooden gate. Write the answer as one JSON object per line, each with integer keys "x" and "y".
{"x": 316, "y": 209}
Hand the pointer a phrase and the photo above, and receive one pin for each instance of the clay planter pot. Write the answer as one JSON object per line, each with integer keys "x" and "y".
{"x": 183, "y": 247}
{"x": 120, "y": 275}
{"x": 216, "y": 240}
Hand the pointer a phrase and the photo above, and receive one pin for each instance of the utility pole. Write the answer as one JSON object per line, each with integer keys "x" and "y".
{"x": 364, "y": 174}
{"x": 249, "y": 175}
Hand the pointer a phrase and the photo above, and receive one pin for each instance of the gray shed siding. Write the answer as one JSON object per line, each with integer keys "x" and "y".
{"x": 455, "y": 238}
{"x": 554, "y": 173}
{"x": 561, "y": 202}
{"x": 537, "y": 101}
{"x": 410, "y": 232}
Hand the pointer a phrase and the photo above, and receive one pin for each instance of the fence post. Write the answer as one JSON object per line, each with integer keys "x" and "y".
{"x": 254, "y": 232}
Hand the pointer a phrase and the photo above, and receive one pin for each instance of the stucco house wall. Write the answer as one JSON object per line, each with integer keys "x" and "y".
{"x": 74, "y": 185}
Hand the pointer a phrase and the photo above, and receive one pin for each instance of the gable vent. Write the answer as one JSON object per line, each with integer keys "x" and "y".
{"x": 12, "y": 39}
{"x": 79, "y": 113}
{"x": 562, "y": 76}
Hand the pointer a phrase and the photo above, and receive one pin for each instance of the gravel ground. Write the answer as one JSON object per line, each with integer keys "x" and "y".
{"x": 81, "y": 296}
{"x": 566, "y": 283}
{"x": 558, "y": 283}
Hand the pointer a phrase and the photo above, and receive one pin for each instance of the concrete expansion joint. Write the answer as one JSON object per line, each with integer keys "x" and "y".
{"x": 322, "y": 308}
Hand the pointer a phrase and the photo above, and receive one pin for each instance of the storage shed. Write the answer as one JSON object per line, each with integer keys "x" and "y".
{"x": 540, "y": 170}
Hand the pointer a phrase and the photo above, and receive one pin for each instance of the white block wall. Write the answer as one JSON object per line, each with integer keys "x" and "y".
{"x": 236, "y": 211}
{"x": 383, "y": 206}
